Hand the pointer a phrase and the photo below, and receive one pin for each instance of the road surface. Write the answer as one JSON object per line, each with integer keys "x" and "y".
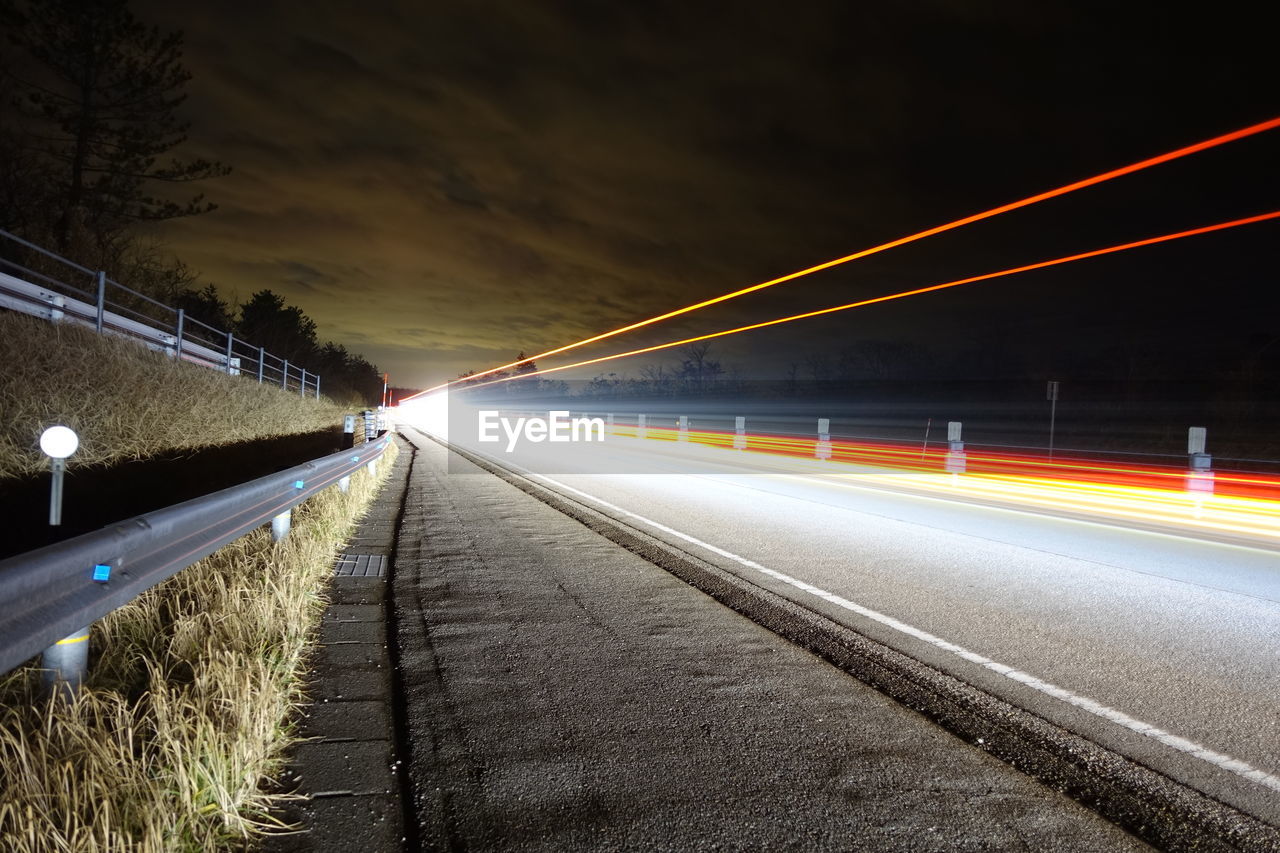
{"x": 565, "y": 693}
{"x": 1156, "y": 641}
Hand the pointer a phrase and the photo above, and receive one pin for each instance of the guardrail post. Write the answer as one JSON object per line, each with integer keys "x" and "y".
{"x": 179, "y": 331}
{"x": 955, "y": 448}
{"x": 344, "y": 484}
{"x": 284, "y": 376}
{"x": 348, "y": 432}
{"x": 640, "y": 429}
{"x": 317, "y": 387}
{"x": 822, "y": 448}
{"x": 302, "y": 386}
{"x": 1051, "y": 394}
{"x": 64, "y": 664}
{"x": 280, "y": 525}
{"x": 262, "y": 357}
{"x": 102, "y": 299}
{"x": 1200, "y": 476}
{"x": 373, "y": 468}
{"x": 740, "y": 433}
{"x": 230, "y": 348}
{"x": 684, "y": 428}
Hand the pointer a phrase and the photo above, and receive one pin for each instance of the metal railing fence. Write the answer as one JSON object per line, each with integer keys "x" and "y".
{"x": 949, "y": 452}
{"x": 49, "y": 596}
{"x": 894, "y": 435}
{"x": 40, "y": 283}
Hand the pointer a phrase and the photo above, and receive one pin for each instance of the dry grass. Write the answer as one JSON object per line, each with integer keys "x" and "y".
{"x": 183, "y": 722}
{"x": 127, "y": 402}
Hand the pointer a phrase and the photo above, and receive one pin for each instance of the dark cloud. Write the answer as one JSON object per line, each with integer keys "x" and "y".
{"x": 310, "y": 280}
{"x": 451, "y": 183}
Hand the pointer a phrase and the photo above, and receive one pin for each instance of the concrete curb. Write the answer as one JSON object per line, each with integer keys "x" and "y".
{"x": 346, "y": 772}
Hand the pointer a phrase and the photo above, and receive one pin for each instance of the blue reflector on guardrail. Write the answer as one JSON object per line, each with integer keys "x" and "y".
{"x": 102, "y": 572}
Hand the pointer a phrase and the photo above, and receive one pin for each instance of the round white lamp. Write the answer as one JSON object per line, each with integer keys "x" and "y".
{"x": 58, "y": 442}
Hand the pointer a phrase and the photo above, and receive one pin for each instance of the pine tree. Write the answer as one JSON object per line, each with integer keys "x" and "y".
{"x": 525, "y": 367}
{"x": 286, "y": 332}
{"x": 97, "y": 93}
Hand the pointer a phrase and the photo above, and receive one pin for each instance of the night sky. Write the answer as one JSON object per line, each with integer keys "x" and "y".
{"x": 442, "y": 185}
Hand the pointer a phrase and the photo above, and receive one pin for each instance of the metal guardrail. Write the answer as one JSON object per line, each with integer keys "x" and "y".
{"x": 36, "y": 301}
{"x": 948, "y": 452}
{"x": 775, "y": 427}
{"x": 64, "y": 291}
{"x": 49, "y": 596}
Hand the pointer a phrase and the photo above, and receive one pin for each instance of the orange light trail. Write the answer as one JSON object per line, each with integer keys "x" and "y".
{"x": 1149, "y": 241}
{"x": 1204, "y": 145}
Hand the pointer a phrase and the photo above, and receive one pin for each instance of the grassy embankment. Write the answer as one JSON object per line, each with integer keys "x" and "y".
{"x": 127, "y": 402}
{"x": 182, "y": 725}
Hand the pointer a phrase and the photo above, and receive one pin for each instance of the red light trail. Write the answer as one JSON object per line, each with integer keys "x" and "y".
{"x": 1149, "y": 241}
{"x": 1204, "y": 145}
{"x": 908, "y": 457}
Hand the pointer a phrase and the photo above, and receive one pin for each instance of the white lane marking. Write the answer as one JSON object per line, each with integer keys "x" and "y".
{"x": 1218, "y": 759}
{"x": 1125, "y": 530}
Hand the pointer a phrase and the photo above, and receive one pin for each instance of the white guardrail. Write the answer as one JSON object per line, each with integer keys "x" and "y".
{"x": 65, "y": 292}
{"x": 27, "y": 298}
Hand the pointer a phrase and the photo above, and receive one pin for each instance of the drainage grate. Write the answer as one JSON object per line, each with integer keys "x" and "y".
{"x": 361, "y": 566}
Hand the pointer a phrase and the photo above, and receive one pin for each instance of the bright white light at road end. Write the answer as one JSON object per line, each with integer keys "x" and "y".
{"x": 59, "y": 441}
{"x": 429, "y": 413}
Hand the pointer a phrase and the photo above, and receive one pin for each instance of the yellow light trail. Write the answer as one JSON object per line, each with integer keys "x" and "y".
{"x": 1168, "y": 504}
{"x": 1185, "y": 151}
{"x": 1149, "y": 241}
{"x": 1253, "y": 518}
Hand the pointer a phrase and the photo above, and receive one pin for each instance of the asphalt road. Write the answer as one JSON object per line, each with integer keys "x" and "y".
{"x": 561, "y": 692}
{"x": 1161, "y": 645}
